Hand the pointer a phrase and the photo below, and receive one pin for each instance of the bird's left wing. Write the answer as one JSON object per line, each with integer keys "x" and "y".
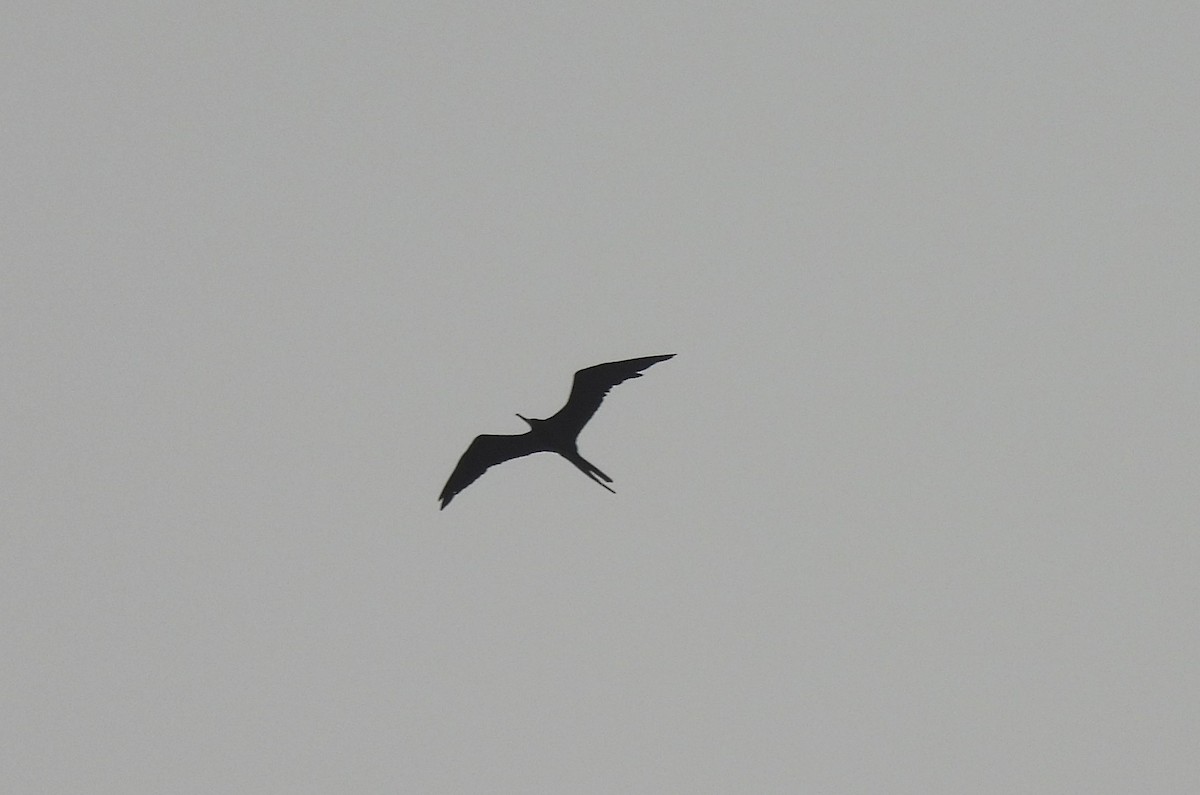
{"x": 593, "y": 383}
{"x": 486, "y": 451}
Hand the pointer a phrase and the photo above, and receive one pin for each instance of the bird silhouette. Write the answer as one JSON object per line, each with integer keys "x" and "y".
{"x": 556, "y": 434}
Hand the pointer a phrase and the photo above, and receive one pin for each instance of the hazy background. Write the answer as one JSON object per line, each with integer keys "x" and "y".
{"x": 913, "y": 510}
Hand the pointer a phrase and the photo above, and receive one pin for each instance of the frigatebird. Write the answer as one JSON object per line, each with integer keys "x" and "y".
{"x": 556, "y": 434}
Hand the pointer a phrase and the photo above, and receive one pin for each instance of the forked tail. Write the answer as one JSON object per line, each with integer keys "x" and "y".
{"x": 591, "y": 470}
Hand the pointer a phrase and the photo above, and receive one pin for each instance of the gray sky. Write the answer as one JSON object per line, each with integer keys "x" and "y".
{"x": 913, "y": 510}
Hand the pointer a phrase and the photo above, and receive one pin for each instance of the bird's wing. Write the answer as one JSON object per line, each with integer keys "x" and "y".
{"x": 486, "y": 451}
{"x": 593, "y": 383}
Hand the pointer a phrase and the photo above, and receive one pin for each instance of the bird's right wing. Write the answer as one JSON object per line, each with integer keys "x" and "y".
{"x": 486, "y": 451}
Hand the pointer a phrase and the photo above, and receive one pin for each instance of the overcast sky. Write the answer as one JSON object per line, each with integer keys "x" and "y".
{"x": 913, "y": 510}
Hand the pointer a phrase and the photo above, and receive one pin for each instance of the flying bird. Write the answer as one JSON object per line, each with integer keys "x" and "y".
{"x": 556, "y": 434}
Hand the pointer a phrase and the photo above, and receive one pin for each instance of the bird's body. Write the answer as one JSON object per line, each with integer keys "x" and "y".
{"x": 555, "y": 434}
